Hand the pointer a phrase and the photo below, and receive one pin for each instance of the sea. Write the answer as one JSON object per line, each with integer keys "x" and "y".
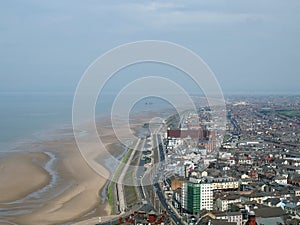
{"x": 35, "y": 116}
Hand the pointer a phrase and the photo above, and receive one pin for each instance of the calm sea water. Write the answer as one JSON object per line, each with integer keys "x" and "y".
{"x": 24, "y": 115}
{"x": 27, "y": 117}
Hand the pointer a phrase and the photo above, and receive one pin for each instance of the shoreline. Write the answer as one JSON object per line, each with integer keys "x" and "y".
{"x": 63, "y": 187}
{"x": 82, "y": 198}
{"x": 77, "y": 192}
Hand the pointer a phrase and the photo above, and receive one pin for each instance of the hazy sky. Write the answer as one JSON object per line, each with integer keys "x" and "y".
{"x": 251, "y": 45}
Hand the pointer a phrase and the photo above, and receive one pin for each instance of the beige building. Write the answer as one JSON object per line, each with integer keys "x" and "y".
{"x": 224, "y": 183}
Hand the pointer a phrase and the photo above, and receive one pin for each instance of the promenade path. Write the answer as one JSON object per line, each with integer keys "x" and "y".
{"x": 120, "y": 187}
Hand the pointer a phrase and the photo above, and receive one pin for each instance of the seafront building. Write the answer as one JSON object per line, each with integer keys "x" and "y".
{"x": 197, "y": 195}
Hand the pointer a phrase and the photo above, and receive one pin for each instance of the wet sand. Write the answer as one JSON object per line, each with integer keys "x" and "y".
{"x": 21, "y": 175}
{"x": 74, "y": 193}
{"x": 69, "y": 191}
{"x": 31, "y": 193}
{"x": 79, "y": 198}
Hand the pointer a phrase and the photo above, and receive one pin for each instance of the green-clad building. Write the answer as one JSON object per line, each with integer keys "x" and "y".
{"x": 196, "y": 195}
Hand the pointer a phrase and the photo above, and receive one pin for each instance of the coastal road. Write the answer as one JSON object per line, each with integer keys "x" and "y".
{"x": 170, "y": 211}
{"x": 164, "y": 203}
{"x": 156, "y": 174}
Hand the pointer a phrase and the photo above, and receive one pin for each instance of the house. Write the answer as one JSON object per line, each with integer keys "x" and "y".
{"x": 273, "y": 202}
{"x": 258, "y": 197}
{"x": 235, "y": 217}
{"x": 176, "y": 200}
{"x": 269, "y": 216}
{"x": 297, "y": 192}
{"x": 225, "y": 201}
{"x": 281, "y": 180}
{"x": 292, "y": 208}
{"x": 245, "y": 160}
{"x": 224, "y": 183}
{"x": 231, "y": 161}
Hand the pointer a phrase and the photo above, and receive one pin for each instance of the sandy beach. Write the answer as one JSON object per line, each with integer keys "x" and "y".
{"x": 21, "y": 175}
{"x": 68, "y": 190}
{"x": 81, "y": 196}
{"x": 75, "y": 192}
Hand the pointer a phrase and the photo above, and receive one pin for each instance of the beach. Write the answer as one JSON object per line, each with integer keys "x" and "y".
{"x": 55, "y": 185}
{"x": 31, "y": 193}
{"x": 21, "y": 175}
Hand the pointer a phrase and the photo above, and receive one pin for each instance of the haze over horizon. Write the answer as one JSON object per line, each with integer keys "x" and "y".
{"x": 251, "y": 46}
{"x": 149, "y": 133}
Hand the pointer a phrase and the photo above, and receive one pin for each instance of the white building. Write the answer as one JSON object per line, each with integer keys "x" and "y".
{"x": 281, "y": 180}
{"x": 197, "y": 195}
{"x": 235, "y": 217}
{"x": 174, "y": 143}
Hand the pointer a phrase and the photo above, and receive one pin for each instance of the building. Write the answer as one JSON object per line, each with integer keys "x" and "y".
{"x": 195, "y": 134}
{"x": 258, "y": 197}
{"x": 143, "y": 217}
{"x": 273, "y": 202}
{"x": 281, "y": 180}
{"x": 245, "y": 160}
{"x": 224, "y": 183}
{"x": 224, "y": 202}
{"x": 197, "y": 195}
{"x": 297, "y": 192}
{"x": 235, "y": 217}
{"x": 267, "y": 215}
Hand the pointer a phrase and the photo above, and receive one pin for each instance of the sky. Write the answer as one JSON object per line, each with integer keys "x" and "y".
{"x": 252, "y": 46}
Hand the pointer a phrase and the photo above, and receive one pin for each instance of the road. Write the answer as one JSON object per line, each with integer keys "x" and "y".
{"x": 157, "y": 187}
{"x": 168, "y": 209}
{"x": 142, "y": 173}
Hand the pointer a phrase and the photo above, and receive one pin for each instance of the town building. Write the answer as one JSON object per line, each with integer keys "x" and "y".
{"x": 197, "y": 195}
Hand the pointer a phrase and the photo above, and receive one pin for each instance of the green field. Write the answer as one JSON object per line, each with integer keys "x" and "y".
{"x": 130, "y": 195}
{"x": 111, "y": 197}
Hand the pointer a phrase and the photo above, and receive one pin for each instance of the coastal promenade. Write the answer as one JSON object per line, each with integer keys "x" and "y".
{"x": 120, "y": 187}
{"x": 140, "y": 175}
